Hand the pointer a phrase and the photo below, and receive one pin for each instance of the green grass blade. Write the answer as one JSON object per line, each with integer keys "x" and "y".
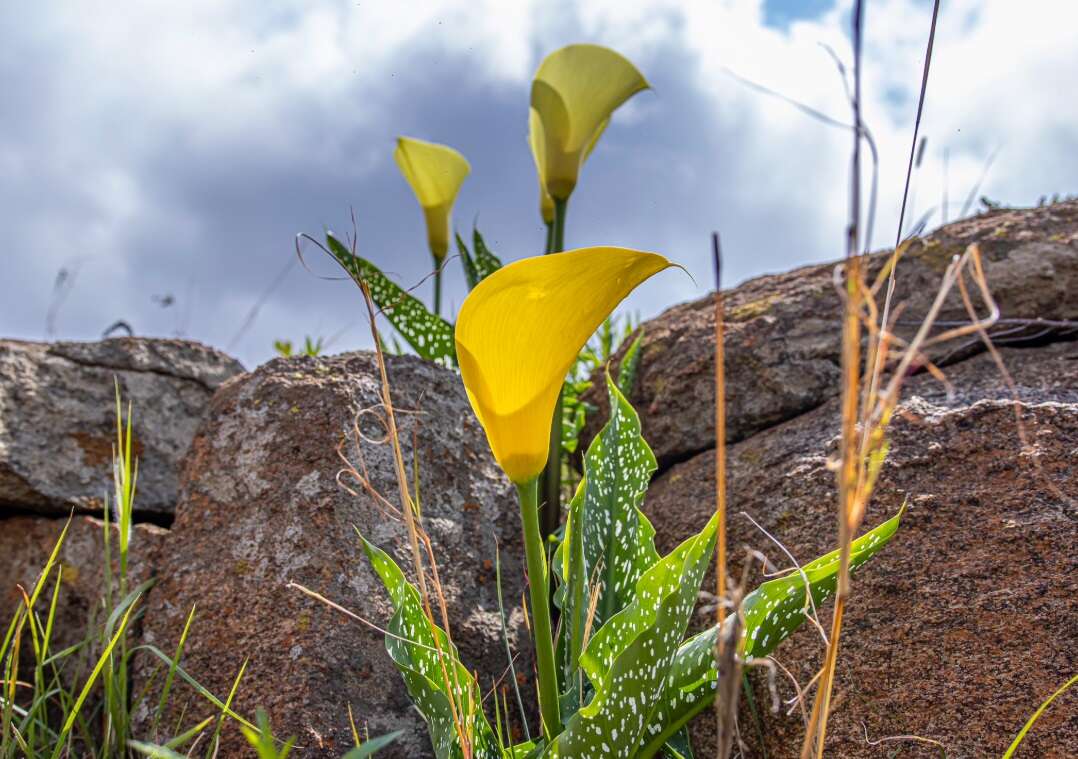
{"x": 370, "y": 747}
{"x": 173, "y": 665}
{"x": 1036, "y": 715}
{"x": 197, "y": 686}
{"x": 225, "y": 709}
{"x": 105, "y": 656}
{"x": 630, "y": 364}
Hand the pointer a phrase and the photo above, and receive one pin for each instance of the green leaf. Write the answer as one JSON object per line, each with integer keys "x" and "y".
{"x": 431, "y": 668}
{"x": 630, "y": 362}
{"x": 486, "y": 263}
{"x": 609, "y": 543}
{"x": 772, "y": 613}
{"x": 372, "y": 746}
{"x": 679, "y": 746}
{"x": 430, "y": 335}
{"x": 467, "y": 263}
{"x": 628, "y": 659}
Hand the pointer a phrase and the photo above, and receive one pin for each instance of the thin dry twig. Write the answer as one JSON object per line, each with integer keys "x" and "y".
{"x": 899, "y": 738}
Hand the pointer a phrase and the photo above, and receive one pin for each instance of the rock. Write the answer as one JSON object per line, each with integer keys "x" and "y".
{"x": 261, "y": 507}
{"x": 26, "y": 542}
{"x": 782, "y": 340}
{"x": 58, "y": 419}
{"x": 969, "y": 618}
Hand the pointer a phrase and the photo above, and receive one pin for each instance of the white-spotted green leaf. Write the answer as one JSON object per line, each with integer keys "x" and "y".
{"x": 627, "y": 659}
{"x": 431, "y": 668}
{"x": 772, "y": 613}
{"x": 467, "y": 263}
{"x": 430, "y": 335}
{"x": 608, "y": 543}
{"x": 486, "y": 263}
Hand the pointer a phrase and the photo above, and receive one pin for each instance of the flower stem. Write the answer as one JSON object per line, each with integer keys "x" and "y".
{"x": 539, "y": 589}
{"x": 437, "y": 288}
{"x": 552, "y": 473}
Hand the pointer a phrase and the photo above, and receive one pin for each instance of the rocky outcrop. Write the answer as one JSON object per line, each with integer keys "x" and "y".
{"x": 782, "y": 341}
{"x": 969, "y": 618}
{"x": 58, "y": 419}
{"x": 261, "y": 507}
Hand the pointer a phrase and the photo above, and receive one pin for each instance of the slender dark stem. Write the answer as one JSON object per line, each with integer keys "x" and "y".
{"x": 551, "y": 517}
{"x": 549, "y": 238}
{"x": 917, "y": 121}
{"x": 539, "y": 590}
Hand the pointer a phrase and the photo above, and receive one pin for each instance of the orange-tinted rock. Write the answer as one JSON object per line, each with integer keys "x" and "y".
{"x": 961, "y": 626}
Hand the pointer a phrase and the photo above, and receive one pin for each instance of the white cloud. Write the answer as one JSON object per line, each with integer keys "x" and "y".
{"x": 178, "y": 146}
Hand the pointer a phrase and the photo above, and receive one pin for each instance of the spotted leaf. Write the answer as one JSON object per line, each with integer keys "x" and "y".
{"x": 609, "y": 543}
{"x": 432, "y": 670}
{"x": 467, "y": 263}
{"x": 486, "y": 263}
{"x": 429, "y": 335}
{"x": 627, "y": 659}
{"x": 772, "y": 612}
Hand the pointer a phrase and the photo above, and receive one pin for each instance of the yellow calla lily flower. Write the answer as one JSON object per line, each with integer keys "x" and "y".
{"x": 535, "y": 140}
{"x": 519, "y": 331}
{"x": 575, "y": 91}
{"x": 435, "y": 173}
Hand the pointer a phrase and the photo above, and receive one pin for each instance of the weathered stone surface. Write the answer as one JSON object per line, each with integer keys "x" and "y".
{"x": 58, "y": 418}
{"x": 261, "y": 507}
{"x": 26, "y": 542}
{"x": 782, "y": 341}
{"x": 969, "y": 618}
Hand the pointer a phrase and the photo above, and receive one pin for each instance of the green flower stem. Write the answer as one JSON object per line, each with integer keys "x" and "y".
{"x": 549, "y": 238}
{"x": 539, "y": 589}
{"x": 552, "y": 473}
{"x": 437, "y": 287}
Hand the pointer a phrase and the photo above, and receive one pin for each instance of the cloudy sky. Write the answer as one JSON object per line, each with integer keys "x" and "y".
{"x": 165, "y": 154}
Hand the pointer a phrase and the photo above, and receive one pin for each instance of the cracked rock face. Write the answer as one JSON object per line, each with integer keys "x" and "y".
{"x": 58, "y": 419}
{"x": 962, "y": 625}
{"x": 261, "y": 507}
{"x": 782, "y": 331}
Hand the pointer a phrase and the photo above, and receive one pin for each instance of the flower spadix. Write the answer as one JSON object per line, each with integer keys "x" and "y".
{"x": 435, "y": 173}
{"x": 519, "y": 331}
{"x": 575, "y": 91}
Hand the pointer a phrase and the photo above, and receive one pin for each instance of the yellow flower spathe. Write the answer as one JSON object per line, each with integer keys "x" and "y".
{"x": 435, "y": 173}
{"x": 520, "y": 330}
{"x": 574, "y": 94}
{"x": 535, "y": 141}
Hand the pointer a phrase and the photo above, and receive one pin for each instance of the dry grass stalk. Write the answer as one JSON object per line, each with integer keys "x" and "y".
{"x": 725, "y": 649}
{"x": 868, "y": 404}
{"x": 417, "y": 535}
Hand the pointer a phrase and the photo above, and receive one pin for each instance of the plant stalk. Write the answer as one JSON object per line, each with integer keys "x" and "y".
{"x": 552, "y": 474}
{"x": 539, "y": 590}
{"x": 437, "y": 287}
